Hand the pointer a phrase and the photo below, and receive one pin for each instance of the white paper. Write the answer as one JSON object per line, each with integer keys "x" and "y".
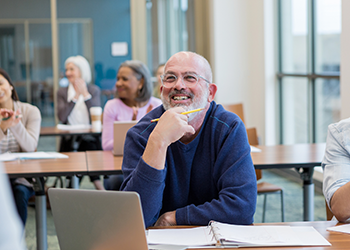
{"x": 166, "y": 247}
{"x": 73, "y": 127}
{"x": 239, "y": 236}
{"x": 32, "y": 155}
{"x": 197, "y": 236}
{"x": 310, "y": 236}
{"x": 258, "y": 235}
{"x": 341, "y": 229}
{"x": 254, "y": 149}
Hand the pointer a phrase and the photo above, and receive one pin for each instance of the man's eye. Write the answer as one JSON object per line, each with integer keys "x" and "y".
{"x": 169, "y": 78}
{"x": 190, "y": 78}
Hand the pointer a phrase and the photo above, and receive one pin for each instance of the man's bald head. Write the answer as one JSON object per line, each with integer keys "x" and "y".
{"x": 201, "y": 63}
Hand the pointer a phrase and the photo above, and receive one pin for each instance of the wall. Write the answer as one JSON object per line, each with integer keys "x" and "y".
{"x": 242, "y": 61}
{"x": 111, "y": 22}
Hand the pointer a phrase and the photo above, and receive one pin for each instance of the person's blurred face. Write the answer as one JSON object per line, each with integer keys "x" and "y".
{"x": 160, "y": 72}
{"x": 127, "y": 84}
{"x": 5, "y": 90}
{"x": 72, "y": 72}
{"x": 180, "y": 95}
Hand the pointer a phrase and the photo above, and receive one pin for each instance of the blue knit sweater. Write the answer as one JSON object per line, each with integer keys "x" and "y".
{"x": 211, "y": 178}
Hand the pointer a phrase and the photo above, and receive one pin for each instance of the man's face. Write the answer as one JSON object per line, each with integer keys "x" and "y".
{"x": 181, "y": 95}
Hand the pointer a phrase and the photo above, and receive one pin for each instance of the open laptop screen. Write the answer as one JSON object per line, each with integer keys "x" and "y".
{"x": 92, "y": 219}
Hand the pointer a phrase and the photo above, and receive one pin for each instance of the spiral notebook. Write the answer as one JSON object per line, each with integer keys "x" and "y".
{"x": 228, "y": 235}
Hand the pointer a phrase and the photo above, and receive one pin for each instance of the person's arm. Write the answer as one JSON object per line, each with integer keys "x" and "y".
{"x": 235, "y": 181}
{"x": 27, "y": 133}
{"x": 143, "y": 177}
{"x": 170, "y": 128}
{"x": 340, "y": 203}
{"x": 95, "y": 100}
{"x": 64, "y": 108}
{"x": 234, "y": 178}
{"x": 336, "y": 166}
{"x": 108, "y": 121}
{"x": 11, "y": 229}
{"x": 5, "y": 113}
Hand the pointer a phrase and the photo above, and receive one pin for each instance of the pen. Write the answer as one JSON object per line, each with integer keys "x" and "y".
{"x": 183, "y": 113}
{"x": 6, "y": 118}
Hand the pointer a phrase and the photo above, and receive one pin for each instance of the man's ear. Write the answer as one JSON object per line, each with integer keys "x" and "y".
{"x": 212, "y": 91}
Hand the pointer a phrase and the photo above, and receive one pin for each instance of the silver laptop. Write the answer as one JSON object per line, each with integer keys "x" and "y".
{"x": 119, "y": 134}
{"x": 91, "y": 219}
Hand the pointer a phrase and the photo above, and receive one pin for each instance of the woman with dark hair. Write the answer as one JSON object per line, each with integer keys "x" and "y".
{"x": 158, "y": 83}
{"x": 19, "y": 133}
{"x": 133, "y": 98}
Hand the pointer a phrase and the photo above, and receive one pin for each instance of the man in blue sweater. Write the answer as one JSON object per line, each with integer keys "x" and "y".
{"x": 190, "y": 169}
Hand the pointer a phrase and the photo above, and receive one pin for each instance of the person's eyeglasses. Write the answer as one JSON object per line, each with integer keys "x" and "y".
{"x": 190, "y": 79}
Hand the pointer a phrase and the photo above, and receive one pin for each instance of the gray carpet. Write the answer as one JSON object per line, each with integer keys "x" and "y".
{"x": 293, "y": 208}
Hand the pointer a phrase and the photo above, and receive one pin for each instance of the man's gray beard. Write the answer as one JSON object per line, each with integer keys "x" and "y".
{"x": 200, "y": 103}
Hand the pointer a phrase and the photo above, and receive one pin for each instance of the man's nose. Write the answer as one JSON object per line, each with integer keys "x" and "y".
{"x": 180, "y": 84}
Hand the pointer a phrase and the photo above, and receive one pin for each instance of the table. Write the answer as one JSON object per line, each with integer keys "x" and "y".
{"x": 36, "y": 169}
{"x": 103, "y": 162}
{"x": 54, "y": 131}
{"x": 338, "y": 240}
{"x": 303, "y": 157}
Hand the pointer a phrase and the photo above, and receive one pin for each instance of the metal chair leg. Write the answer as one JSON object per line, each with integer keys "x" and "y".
{"x": 282, "y": 206}
{"x": 264, "y": 208}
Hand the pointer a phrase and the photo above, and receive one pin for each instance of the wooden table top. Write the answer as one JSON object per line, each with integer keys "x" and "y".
{"x": 54, "y": 131}
{"x": 104, "y": 162}
{"x": 289, "y": 156}
{"x": 338, "y": 240}
{"x": 277, "y": 156}
{"x": 75, "y": 164}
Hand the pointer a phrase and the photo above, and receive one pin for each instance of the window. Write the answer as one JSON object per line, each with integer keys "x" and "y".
{"x": 309, "y": 68}
{"x": 169, "y": 29}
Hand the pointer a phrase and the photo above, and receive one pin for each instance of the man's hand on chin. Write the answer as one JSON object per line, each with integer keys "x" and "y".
{"x": 166, "y": 219}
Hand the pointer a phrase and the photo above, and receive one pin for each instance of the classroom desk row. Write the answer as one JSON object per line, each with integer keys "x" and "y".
{"x": 76, "y": 163}
{"x": 302, "y": 157}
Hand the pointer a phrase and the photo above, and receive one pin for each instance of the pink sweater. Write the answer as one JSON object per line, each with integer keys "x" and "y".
{"x": 116, "y": 110}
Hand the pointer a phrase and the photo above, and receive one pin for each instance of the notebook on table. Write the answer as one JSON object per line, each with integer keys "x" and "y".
{"x": 92, "y": 219}
{"x": 119, "y": 134}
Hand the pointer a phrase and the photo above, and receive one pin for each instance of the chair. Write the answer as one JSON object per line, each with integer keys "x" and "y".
{"x": 236, "y": 108}
{"x": 264, "y": 188}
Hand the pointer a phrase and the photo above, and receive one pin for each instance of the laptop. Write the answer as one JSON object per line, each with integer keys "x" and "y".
{"x": 119, "y": 134}
{"x": 92, "y": 219}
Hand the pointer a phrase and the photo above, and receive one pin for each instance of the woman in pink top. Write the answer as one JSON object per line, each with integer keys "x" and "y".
{"x": 133, "y": 98}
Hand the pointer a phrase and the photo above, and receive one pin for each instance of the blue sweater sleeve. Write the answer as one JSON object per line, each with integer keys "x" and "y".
{"x": 138, "y": 175}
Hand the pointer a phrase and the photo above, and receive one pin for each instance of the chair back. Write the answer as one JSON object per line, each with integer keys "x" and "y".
{"x": 237, "y": 109}
{"x": 252, "y": 136}
{"x": 254, "y": 140}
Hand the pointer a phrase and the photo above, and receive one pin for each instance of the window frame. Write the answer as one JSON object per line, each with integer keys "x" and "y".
{"x": 311, "y": 76}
